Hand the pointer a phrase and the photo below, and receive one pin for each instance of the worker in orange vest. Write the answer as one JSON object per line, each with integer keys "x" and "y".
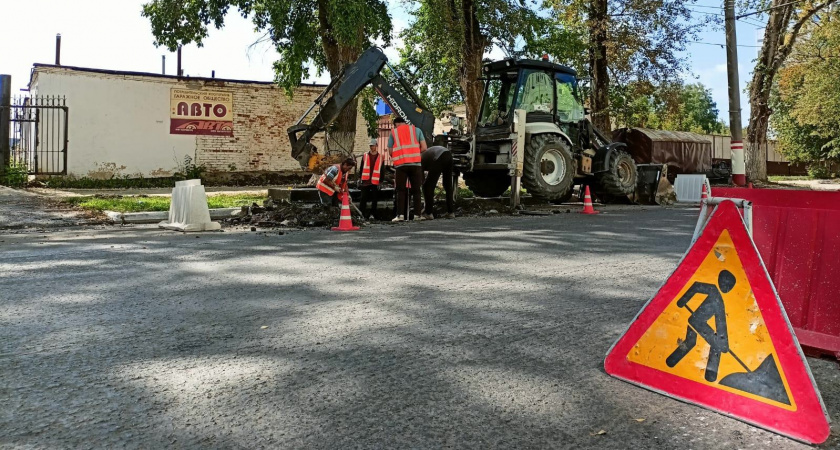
{"x": 334, "y": 182}
{"x": 370, "y": 175}
{"x": 406, "y": 144}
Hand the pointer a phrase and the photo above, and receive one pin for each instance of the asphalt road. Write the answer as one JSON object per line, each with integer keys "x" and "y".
{"x": 474, "y": 333}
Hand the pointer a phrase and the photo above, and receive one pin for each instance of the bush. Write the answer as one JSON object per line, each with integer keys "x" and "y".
{"x": 189, "y": 170}
{"x": 71, "y": 182}
{"x": 820, "y": 171}
{"x": 16, "y": 175}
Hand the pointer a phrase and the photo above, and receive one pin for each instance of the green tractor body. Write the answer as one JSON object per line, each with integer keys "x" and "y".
{"x": 562, "y": 148}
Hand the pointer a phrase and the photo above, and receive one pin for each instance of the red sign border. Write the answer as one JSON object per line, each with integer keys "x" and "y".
{"x": 809, "y": 423}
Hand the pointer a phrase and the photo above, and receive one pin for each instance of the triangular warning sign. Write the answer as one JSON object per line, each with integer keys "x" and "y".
{"x": 715, "y": 334}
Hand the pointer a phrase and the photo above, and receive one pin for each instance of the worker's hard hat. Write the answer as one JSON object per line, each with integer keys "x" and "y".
{"x": 373, "y": 142}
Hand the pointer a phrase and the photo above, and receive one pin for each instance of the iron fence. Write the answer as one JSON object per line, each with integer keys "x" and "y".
{"x": 38, "y": 134}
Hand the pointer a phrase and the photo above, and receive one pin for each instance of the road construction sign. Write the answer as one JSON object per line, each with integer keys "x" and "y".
{"x": 715, "y": 334}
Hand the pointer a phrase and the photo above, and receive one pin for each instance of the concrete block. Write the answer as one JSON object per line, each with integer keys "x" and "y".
{"x": 690, "y": 187}
{"x": 280, "y": 194}
{"x": 188, "y": 210}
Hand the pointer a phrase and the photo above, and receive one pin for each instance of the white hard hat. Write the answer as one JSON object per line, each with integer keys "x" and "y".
{"x": 374, "y": 141}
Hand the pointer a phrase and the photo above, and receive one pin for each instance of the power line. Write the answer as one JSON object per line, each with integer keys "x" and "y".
{"x": 705, "y": 12}
{"x": 719, "y": 8}
{"x": 724, "y": 45}
{"x": 741, "y": 16}
{"x": 752, "y": 23}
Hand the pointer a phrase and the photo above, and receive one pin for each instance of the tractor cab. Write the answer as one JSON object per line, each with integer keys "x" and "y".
{"x": 548, "y": 93}
{"x": 562, "y": 148}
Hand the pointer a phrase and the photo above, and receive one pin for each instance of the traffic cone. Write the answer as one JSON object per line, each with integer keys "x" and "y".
{"x": 587, "y": 203}
{"x": 750, "y": 185}
{"x": 703, "y": 195}
{"x": 345, "y": 223}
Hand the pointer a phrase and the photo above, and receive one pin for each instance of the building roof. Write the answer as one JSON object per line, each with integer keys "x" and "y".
{"x": 36, "y": 66}
{"x": 671, "y": 136}
{"x": 504, "y": 64}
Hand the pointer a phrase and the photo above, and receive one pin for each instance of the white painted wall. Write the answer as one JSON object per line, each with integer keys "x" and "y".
{"x": 116, "y": 122}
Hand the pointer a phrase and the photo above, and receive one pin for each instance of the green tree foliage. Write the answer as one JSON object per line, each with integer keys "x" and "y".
{"x": 806, "y": 99}
{"x": 447, "y": 40}
{"x": 786, "y": 21}
{"x": 670, "y": 106}
{"x": 307, "y": 34}
{"x": 625, "y": 43}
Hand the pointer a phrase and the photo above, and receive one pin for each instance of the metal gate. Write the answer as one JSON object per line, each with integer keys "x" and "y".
{"x": 385, "y": 127}
{"x": 38, "y": 134}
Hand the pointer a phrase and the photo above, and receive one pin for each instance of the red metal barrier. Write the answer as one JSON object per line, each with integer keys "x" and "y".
{"x": 797, "y": 234}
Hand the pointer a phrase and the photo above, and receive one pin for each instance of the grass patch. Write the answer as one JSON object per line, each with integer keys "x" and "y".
{"x": 142, "y": 203}
{"x": 788, "y": 178}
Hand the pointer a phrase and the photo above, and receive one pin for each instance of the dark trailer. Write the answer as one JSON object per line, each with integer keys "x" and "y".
{"x": 681, "y": 151}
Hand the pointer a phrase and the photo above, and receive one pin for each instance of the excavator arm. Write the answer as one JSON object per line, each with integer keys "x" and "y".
{"x": 343, "y": 89}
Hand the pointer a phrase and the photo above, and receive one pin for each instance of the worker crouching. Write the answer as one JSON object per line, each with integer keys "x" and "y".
{"x": 438, "y": 161}
{"x": 334, "y": 182}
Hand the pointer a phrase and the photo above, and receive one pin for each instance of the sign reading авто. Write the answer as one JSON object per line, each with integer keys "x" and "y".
{"x": 208, "y": 113}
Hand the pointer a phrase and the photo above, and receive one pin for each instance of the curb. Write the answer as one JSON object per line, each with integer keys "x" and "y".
{"x": 157, "y": 216}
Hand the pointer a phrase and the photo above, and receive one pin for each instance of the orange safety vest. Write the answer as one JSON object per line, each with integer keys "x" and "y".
{"x": 366, "y": 175}
{"x": 406, "y": 147}
{"x": 340, "y": 181}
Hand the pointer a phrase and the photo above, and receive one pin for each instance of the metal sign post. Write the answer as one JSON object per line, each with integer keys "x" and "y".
{"x": 517, "y": 157}
{"x": 5, "y": 122}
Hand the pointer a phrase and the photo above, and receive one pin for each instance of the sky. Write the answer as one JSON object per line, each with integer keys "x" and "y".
{"x": 120, "y": 39}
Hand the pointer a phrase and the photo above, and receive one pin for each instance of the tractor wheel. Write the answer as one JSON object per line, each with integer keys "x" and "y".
{"x": 620, "y": 180}
{"x": 549, "y": 170}
{"x": 487, "y": 183}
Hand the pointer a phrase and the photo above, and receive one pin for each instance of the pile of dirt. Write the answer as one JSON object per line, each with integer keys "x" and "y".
{"x": 478, "y": 207}
{"x": 273, "y": 215}
{"x": 292, "y": 215}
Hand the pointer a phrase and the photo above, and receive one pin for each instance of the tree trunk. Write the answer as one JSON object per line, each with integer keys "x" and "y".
{"x": 600, "y": 106}
{"x": 760, "y": 86}
{"x": 342, "y": 136}
{"x": 342, "y": 133}
{"x": 779, "y": 37}
{"x": 472, "y": 51}
{"x": 755, "y": 147}
{"x": 473, "y": 88}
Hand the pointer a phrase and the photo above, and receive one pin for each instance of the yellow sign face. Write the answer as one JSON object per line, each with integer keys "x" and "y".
{"x": 713, "y": 333}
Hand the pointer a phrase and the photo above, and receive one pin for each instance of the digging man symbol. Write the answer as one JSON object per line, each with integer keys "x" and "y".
{"x": 698, "y": 323}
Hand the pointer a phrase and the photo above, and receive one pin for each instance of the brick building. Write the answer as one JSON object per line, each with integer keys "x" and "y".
{"x": 120, "y": 124}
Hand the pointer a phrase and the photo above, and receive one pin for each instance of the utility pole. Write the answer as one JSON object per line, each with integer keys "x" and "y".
{"x": 735, "y": 127}
{"x": 5, "y": 122}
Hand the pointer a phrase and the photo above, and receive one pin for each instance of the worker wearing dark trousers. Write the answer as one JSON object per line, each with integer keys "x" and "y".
{"x": 370, "y": 174}
{"x": 437, "y": 161}
{"x": 406, "y": 144}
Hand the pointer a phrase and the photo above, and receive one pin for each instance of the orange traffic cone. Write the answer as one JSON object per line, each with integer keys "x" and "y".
{"x": 703, "y": 195}
{"x": 345, "y": 223}
{"x": 587, "y": 203}
{"x": 750, "y": 186}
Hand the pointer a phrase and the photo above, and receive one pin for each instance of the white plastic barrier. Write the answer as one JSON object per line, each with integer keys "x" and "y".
{"x": 188, "y": 210}
{"x": 690, "y": 187}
